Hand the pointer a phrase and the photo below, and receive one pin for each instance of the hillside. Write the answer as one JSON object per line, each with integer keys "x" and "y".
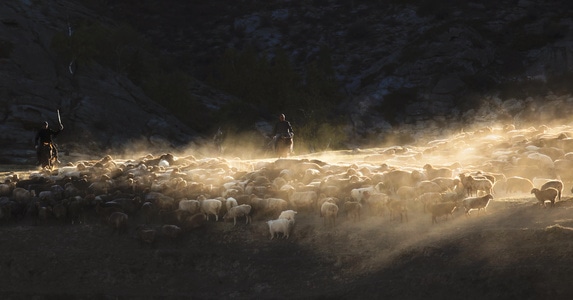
{"x": 398, "y": 66}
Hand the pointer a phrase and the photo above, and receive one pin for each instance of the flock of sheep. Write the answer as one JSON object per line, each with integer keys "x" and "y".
{"x": 168, "y": 195}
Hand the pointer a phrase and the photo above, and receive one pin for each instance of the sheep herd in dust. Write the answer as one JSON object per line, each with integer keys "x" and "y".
{"x": 168, "y": 196}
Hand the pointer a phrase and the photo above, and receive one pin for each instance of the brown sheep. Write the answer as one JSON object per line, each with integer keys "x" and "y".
{"x": 518, "y": 184}
{"x": 549, "y": 194}
{"x": 146, "y": 235}
{"x": 171, "y": 231}
{"x": 557, "y": 184}
{"x": 353, "y": 210}
{"x": 195, "y": 221}
{"x": 442, "y": 209}
{"x": 397, "y": 207}
{"x": 118, "y": 222}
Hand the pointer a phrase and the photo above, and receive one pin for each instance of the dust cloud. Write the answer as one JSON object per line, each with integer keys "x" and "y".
{"x": 535, "y": 151}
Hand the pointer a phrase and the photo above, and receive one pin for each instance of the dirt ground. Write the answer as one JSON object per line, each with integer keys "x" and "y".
{"x": 518, "y": 250}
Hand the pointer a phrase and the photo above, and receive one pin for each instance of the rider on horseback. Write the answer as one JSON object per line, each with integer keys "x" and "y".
{"x": 282, "y": 128}
{"x": 45, "y": 135}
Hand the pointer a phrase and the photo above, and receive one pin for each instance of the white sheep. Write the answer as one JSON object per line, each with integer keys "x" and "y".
{"x": 548, "y": 194}
{"x": 243, "y": 210}
{"x": 190, "y": 205}
{"x": 360, "y": 194}
{"x": 211, "y": 207}
{"x": 288, "y": 214}
{"x": 329, "y": 211}
{"x": 478, "y": 203}
{"x": 230, "y": 202}
{"x": 280, "y": 226}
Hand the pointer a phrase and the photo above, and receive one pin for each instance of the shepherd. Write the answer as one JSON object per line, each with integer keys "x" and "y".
{"x": 45, "y": 135}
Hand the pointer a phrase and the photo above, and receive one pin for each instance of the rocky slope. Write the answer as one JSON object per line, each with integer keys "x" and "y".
{"x": 403, "y": 65}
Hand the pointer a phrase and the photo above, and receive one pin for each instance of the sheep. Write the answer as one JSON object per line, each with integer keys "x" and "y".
{"x": 548, "y": 194}
{"x": 376, "y": 202}
{"x": 407, "y": 193}
{"x": 557, "y": 184}
{"x": 472, "y": 184}
{"x": 22, "y": 194}
{"x": 145, "y": 235}
{"x": 428, "y": 199}
{"x": 147, "y": 211}
{"x": 397, "y": 207}
{"x": 446, "y": 183}
{"x": 6, "y": 188}
{"x": 161, "y": 201}
{"x": 360, "y": 194}
{"x": 432, "y": 172}
{"x": 192, "y": 206}
{"x": 329, "y": 211}
{"x": 176, "y": 216}
{"x": 394, "y": 179}
{"x": 442, "y": 209}
{"x": 118, "y": 221}
{"x": 105, "y": 211}
{"x": 353, "y": 210}
{"x": 43, "y": 212}
{"x": 60, "y": 212}
{"x": 211, "y": 207}
{"x": 518, "y": 184}
{"x": 230, "y": 202}
{"x": 274, "y": 206}
{"x": 307, "y": 199}
{"x": 243, "y": 210}
{"x": 426, "y": 186}
{"x": 478, "y": 203}
{"x": 171, "y": 231}
{"x": 195, "y": 221}
{"x": 280, "y": 226}
{"x": 288, "y": 214}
